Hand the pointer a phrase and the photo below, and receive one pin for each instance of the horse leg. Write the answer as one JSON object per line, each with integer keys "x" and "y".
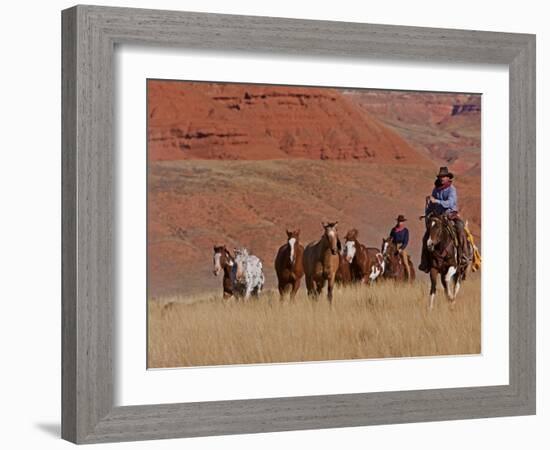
{"x": 257, "y": 291}
{"x": 310, "y": 286}
{"x": 315, "y": 291}
{"x": 282, "y": 287}
{"x": 320, "y": 285}
{"x": 319, "y": 281}
{"x": 227, "y": 286}
{"x": 457, "y": 287}
{"x": 449, "y": 278}
{"x": 413, "y": 273}
{"x": 444, "y": 284}
{"x": 295, "y": 287}
{"x": 433, "y": 280}
{"x": 247, "y": 292}
{"x": 329, "y": 288}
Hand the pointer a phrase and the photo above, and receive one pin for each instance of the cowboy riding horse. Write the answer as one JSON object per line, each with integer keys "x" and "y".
{"x": 443, "y": 203}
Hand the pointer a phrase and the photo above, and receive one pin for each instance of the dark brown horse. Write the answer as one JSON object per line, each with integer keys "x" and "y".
{"x": 343, "y": 274}
{"x": 394, "y": 267}
{"x": 366, "y": 263}
{"x": 223, "y": 261}
{"x": 321, "y": 260}
{"x": 443, "y": 258}
{"x": 289, "y": 264}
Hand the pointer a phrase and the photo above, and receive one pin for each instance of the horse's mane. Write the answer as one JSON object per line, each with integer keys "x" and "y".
{"x": 242, "y": 252}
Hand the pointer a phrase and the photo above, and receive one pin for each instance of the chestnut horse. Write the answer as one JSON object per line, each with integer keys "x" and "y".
{"x": 394, "y": 267}
{"x": 366, "y": 263}
{"x": 289, "y": 264}
{"x": 223, "y": 261}
{"x": 321, "y": 260}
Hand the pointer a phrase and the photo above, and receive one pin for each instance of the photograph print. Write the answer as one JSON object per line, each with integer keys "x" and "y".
{"x": 291, "y": 224}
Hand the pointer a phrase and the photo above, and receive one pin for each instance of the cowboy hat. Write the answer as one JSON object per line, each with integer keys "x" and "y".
{"x": 444, "y": 172}
{"x": 401, "y": 218}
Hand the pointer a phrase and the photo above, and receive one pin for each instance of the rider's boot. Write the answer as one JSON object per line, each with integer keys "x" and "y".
{"x": 463, "y": 250}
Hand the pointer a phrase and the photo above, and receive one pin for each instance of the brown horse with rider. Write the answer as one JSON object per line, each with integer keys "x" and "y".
{"x": 445, "y": 248}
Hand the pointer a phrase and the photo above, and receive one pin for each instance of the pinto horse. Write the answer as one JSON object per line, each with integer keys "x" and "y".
{"x": 321, "y": 261}
{"x": 443, "y": 258}
{"x": 289, "y": 264}
{"x": 366, "y": 263}
{"x": 395, "y": 269}
{"x": 247, "y": 274}
{"x": 223, "y": 261}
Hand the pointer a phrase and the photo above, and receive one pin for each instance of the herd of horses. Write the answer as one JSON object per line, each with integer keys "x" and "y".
{"x": 326, "y": 262}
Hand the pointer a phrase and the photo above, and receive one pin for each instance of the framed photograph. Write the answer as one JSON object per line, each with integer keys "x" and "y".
{"x": 306, "y": 210}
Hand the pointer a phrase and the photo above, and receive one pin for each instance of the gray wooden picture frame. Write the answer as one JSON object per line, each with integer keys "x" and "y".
{"x": 90, "y": 34}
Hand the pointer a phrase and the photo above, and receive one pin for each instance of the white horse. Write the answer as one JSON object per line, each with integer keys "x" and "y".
{"x": 247, "y": 274}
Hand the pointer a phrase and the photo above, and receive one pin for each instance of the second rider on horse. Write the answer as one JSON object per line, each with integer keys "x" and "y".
{"x": 400, "y": 236}
{"x": 444, "y": 202}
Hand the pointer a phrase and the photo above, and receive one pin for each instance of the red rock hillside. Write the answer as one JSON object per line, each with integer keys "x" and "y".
{"x": 258, "y": 122}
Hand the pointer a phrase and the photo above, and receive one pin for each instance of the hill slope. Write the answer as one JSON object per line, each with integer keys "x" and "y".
{"x": 194, "y": 205}
{"x": 444, "y": 127}
{"x": 256, "y": 122}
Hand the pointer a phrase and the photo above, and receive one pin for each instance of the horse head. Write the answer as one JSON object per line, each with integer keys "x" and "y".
{"x": 350, "y": 245}
{"x": 388, "y": 248}
{"x": 436, "y": 232}
{"x": 222, "y": 258}
{"x": 331, "y": 234}
{"x": 293, "y": 238}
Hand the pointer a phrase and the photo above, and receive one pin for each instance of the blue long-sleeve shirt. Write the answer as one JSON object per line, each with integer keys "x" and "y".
{"x": 400, "y": 237}
{"x": 447, "y": 200}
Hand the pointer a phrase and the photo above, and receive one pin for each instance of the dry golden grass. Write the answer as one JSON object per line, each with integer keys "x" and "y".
{"x": 387, "y": 320}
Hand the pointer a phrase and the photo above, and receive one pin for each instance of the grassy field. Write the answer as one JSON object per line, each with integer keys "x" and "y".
{"x": 387, "y": 320}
